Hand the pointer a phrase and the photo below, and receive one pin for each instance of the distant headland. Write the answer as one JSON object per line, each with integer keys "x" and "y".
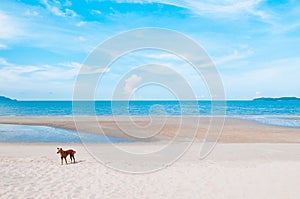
{"x": 6, "y": 99}
{"x": 276, "y": 99}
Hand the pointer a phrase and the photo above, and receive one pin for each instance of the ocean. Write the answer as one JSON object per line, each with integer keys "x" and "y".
{"x": 281, "y": 113}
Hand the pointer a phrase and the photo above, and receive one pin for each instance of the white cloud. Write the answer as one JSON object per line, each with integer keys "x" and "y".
{"x": 218, "y": 8}
{"x": 166, "y": 69}
{"x": 234, "y": 56}
{"x": 85, "y": 69}
{"x": 74, "y": 65}
{"x": 81, "y": 23}
{"x": 70, "y": 13}
{"x": 3, "y": 62}
{"x": 159, "y": 56}
{"x": 35, "y": 82}
{"x": 57, "y": 11}
{"x": 96, "y": 12}
{"x": 31, "y": 13}
{"x": 81, "y": 38}
{"x": 31, "y": 31}
{"x": 10, "y": 72}
{"x": 68, "y": 3}
{"x": 130, "y": 84}
{"x": 3, "y": 46}
{"x": 284, "y": 26}
{"x": 53, "y": 9}
{"x": 274, "y": 78}
{"x": 8, "y": 27}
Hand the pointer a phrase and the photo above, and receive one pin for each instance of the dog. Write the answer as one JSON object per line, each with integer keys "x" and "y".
{"x": 64, "y": 154}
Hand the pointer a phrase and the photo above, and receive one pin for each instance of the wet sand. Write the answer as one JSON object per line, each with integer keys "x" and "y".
{"x": 157, "y": 128}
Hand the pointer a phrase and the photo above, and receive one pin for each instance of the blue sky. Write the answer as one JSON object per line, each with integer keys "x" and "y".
{"x": 254, "y": 44}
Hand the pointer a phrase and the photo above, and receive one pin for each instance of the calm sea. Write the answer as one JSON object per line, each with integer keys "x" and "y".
{"x": 282, "y": 113}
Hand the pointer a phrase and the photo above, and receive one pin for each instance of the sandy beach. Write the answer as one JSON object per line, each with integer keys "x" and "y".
{"x": 250, "y": 160}
{"x": 231, "y": 171}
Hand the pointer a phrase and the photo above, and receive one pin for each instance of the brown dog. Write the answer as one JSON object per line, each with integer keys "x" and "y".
{"x": 64, "y": 154}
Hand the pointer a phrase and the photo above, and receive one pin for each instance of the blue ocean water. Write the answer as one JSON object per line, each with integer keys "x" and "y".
{"x": 282, "y": 113}
{"x": 28, "y": 133}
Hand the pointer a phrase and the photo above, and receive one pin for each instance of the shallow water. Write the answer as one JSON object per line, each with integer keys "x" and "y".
{"x": 28, "y": 133}
{"x": 275, "y": 120}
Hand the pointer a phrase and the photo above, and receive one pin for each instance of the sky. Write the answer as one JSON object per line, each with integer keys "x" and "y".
{"x": 254, "y": 45}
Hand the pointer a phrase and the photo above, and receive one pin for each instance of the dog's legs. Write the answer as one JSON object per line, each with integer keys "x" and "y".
{"x": 66, "y": 160}
{"x": 71, "y": 157}
{"x": 62, "y": 162}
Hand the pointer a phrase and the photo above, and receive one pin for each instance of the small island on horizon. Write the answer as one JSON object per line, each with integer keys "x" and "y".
{"x": 6, "y": 99}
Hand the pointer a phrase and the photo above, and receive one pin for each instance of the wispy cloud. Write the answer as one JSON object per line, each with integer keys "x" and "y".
{"x": 159, "y": 56}
{"x": 3, "y": 46}
{"x": 56, "y": 9}
{"x": 68, "y": 3}
{"x": 37, "y": 28}
{"x": 81, "y": 23}
{"x": 10, "y": 72}
{"x": 29, "y": 12}
{"x": 9, "y": 28}
{"x": 215, "y": 8}
{"x": 275, "y": 78}
{"x": 223, "y": 7}
{"x": 96, "y": 12}
{"x": 234, "y": 56}
{"x": 130, "y": 84}
{"x": 4, "y": 63}
{"x": 37, "y": 81}
{"x": 81, "y": 38}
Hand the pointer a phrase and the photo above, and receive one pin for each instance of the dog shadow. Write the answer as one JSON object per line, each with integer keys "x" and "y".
{"x": 79, "y": 161}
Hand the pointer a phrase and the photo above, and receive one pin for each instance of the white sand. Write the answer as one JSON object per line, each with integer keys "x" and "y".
{"x": 231, "y": 171}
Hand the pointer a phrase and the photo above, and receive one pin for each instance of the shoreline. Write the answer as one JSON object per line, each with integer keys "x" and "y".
{"x": 234, "y": 130}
